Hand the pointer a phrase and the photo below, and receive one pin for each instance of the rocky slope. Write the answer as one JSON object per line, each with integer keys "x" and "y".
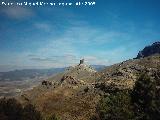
{"x": 124, "y": 75}
{"x": 70, "y": 95}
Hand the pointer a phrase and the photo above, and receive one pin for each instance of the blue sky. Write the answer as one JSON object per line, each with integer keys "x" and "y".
{"x": 107, "y": 33}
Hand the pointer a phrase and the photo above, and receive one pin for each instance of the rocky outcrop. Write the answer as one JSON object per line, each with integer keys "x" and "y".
{"x": 149, "y": 50}
{"x": 46, "y": 83}
{"x": 75, "y": 76}
{"x": 69, "y": 79}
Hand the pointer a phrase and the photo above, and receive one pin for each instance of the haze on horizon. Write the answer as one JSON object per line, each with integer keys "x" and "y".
{"x": 104, "y": 34}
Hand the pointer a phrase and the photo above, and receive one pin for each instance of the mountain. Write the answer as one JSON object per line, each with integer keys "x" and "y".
{"x": 75, "y": 93}
{"x": 149, "y": 50}
{"x": 66, "y": 93}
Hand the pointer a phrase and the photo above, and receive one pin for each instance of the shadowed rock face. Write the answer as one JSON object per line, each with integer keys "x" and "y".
{"x": 149, "y": 50}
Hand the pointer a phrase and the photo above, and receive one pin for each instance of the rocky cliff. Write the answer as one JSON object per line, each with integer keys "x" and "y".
{"x": 149, "y": 50}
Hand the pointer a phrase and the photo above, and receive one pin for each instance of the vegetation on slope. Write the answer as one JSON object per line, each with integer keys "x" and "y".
{"x": 142, "y": 103}
{"x": 11, "y": 109}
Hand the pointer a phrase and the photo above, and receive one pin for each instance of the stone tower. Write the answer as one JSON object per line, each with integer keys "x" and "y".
{"x": 81, "y": 61}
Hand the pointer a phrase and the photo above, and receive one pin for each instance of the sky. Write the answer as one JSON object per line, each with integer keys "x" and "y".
{"x": 108, "y": 32}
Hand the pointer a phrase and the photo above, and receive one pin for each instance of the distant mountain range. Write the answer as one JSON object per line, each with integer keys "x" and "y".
{"x": 18, "y": 75}
{"x": 28, "y": 73}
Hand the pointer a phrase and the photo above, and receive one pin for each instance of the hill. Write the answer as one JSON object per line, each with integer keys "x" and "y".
{"x": 75, "y": 93}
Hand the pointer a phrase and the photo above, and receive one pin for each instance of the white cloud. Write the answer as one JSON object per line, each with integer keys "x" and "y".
{"x": 75, "y": 43}
{"x": 93, "y": 60}
{"x": 17, "y": 12}
{"x": 43, "y": 26}
{"x": 65, "y": 50}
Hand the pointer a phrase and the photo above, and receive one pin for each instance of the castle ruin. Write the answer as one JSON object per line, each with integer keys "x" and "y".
{"x": 81, "y": 61}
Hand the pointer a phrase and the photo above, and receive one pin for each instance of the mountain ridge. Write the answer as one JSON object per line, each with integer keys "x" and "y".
{"x": 149, "y": 50}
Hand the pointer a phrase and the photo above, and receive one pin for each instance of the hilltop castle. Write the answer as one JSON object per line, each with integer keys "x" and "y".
{"x": 81, "y": 61}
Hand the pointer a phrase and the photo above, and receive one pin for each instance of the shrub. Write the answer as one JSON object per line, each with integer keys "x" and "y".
{"x": 142, "y": 104}
{"x": 86, "y": 89}
{"x": 115, "y": 107}
{"x": 30, "y": 113}
{"x": 144, "y": 98}
{"x": 11, "y": 109}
